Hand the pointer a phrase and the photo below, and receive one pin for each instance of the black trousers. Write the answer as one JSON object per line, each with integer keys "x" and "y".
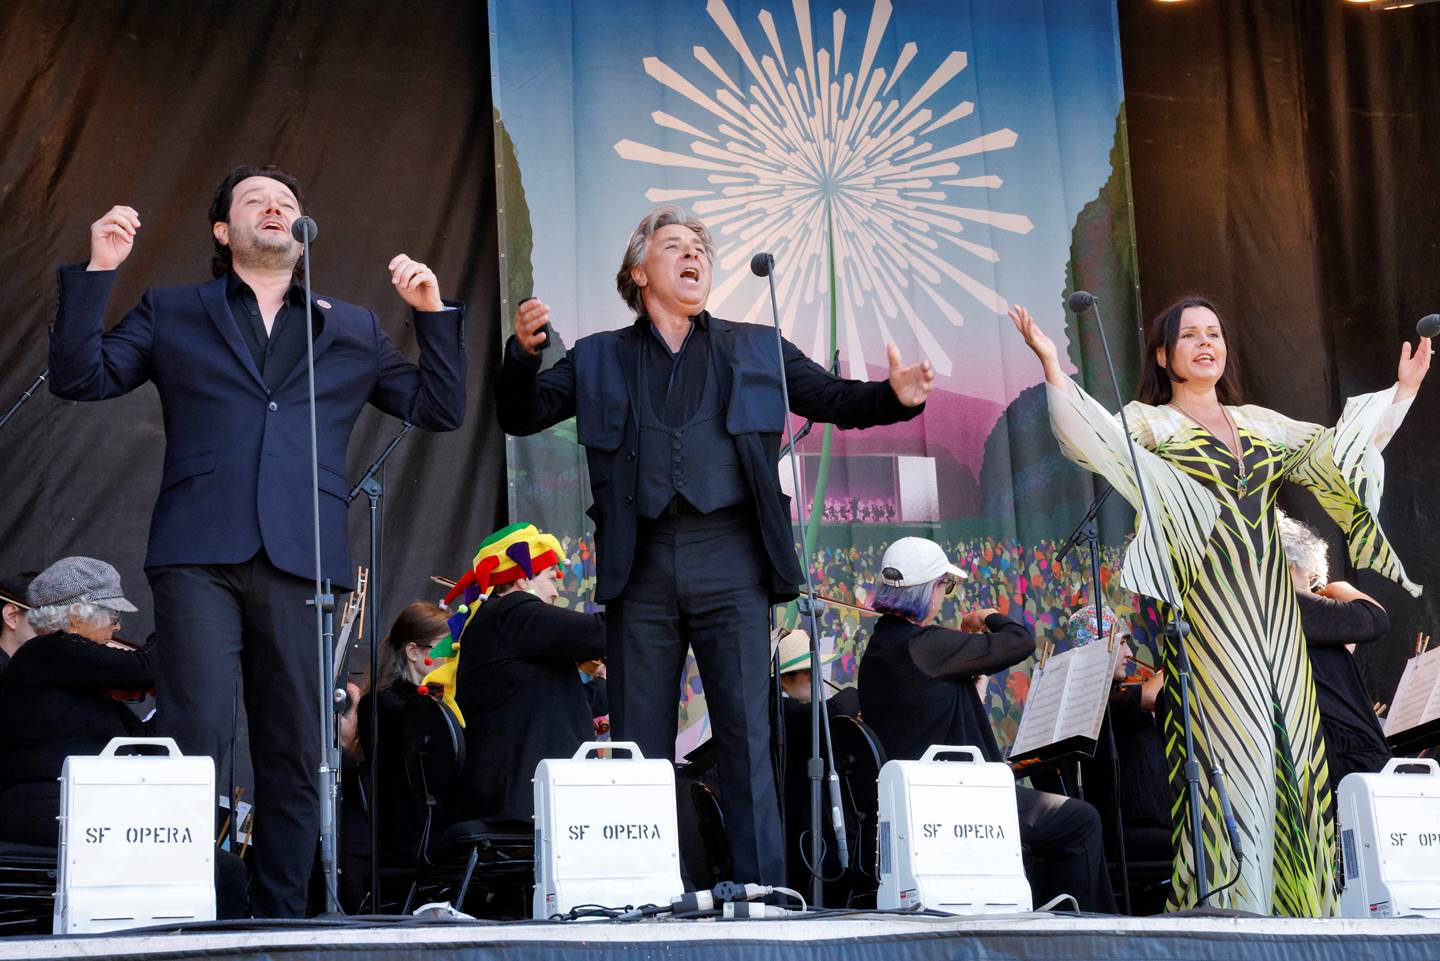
{"x": 700, "y": 581}
{"x": 1065, "y": 849}
{"x": 220, "y": 621}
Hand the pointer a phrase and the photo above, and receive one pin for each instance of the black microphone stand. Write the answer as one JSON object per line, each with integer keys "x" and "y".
{"x": 1177, "y": 630}
{"x": 1089, "y": 534}
{"x": 324, "y": 604}
{"x": 764, "y": 265}
{"x": 369, "y": 484}
{"x": 29, "y": 391}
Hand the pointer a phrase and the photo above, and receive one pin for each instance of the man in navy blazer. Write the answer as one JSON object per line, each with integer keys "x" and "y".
{"x": 231, "y": 559}
{"x": 681, "y": 415}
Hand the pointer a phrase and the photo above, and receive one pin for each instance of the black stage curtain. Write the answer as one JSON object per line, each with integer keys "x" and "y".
{"x": 1283, "y": 161}
{"x": 1281, "y": 154}
{"x": 383, "y": 112}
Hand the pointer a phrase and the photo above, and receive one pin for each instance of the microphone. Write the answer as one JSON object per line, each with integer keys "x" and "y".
{"x": 761, "y": 264}
{"x": 547, "y": 330}
{"x": 304, "y": 230}
{"x": 1081, "y": 301}
{"x": 1429, "y": 325}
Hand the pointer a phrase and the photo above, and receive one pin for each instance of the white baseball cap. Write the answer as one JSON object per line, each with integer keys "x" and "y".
{"x": 912, "y": 561}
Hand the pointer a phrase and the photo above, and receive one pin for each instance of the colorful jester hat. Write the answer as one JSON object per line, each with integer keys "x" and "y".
{"x": 520, "y": 550}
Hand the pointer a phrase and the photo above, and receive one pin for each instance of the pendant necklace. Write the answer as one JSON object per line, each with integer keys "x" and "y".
{"x": 1242, "y": 476}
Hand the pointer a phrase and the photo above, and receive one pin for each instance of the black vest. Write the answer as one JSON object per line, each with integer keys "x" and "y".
{"x": 697, "y": 460}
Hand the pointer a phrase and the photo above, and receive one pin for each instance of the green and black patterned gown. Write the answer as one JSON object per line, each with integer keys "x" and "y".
{"x": 1251, "y": 673}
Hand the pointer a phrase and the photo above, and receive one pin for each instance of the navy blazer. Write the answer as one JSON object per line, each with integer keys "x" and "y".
{"x": 598, "y": 380}
{"x": 237, "y": 457}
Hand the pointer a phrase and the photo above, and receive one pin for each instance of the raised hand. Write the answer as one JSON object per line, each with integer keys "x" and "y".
{"x": 112, "y": 237}
{"x": 416, "y": 284}
{"x": 530, "y": 320}
{"x": 1413, "y": 366}
{"x": 1039, "y": 342}
{"x": 911, "y": 384}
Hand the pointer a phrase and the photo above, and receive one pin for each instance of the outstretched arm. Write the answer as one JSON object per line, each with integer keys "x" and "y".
{"x": 817, "y": 394}
{"x": 1039, "y": 342}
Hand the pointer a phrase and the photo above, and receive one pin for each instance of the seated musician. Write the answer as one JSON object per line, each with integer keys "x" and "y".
{"x": 1334, "y": 618}
{"x": 56, "y": 696}
{"x": 1141, "y": 778}
{"x": 67, "y": 692}
{"x": 917, "y": 689}
{"x": 15, "y": 627}
{"x": 517, "y": 683}
{"x": 404, "y": 662}
{"x": 796, "y": 693}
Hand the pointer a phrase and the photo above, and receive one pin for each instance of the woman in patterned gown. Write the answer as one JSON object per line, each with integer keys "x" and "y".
{"x": 1213, "y": 471}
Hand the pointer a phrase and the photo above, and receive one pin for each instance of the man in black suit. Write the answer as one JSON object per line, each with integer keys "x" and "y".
{"x": 231, "y": 559}
{"x": 681, "y": 415}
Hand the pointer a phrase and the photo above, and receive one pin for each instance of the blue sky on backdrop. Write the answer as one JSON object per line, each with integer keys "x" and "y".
{"x": 923, "y": 259}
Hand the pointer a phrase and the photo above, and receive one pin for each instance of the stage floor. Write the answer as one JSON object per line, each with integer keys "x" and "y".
{"x": 849, "y": 938}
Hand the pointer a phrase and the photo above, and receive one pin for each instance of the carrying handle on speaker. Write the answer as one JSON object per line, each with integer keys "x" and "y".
{"x": 116, "y": 743}
{"x": 935, "y": 750}
{"x": 585, "y": 749}
{"x": 1395, "y": 763}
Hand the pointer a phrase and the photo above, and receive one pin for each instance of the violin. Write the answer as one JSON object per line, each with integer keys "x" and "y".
{"x": 125, "y": 697}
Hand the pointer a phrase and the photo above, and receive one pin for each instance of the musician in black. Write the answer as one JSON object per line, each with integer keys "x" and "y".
{"x": 1335, "y": 617}
{"x": 917, "y": 688}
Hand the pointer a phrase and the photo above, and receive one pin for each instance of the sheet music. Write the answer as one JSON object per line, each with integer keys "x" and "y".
{"x": 1417, "y": 697}
{"x": 1067, "y": 698}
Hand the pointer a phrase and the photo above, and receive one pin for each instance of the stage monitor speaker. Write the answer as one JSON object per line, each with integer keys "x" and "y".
{"x": 1390, "y": 841}
{"x": 137, "y": 843}
{"x": 950, "y": 835}
{"x": 605, "y": 830}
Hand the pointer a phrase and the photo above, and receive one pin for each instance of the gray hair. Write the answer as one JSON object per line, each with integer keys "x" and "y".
{"x": 909, "y": 602}
{"x": 663, "y": 216}
{"x": 56, "y": 617}
{"x": 1304, "y": 547}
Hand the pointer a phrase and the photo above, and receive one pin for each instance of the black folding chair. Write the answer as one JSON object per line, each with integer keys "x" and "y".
{"x": 858, "y": 759}
{"x": 27, "y": 888}
{"x": 498, "y": 855}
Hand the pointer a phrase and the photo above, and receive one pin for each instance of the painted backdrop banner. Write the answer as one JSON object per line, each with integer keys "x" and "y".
{"x": 915, "y": 167}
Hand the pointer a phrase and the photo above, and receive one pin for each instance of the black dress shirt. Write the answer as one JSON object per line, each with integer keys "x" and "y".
{"x": 676, "y": 381}
{"x": 277, "y": 352}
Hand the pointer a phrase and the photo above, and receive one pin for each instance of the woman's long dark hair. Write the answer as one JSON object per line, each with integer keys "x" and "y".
{"x": 1164, "y": 331}
{"x": 420, "y": 623}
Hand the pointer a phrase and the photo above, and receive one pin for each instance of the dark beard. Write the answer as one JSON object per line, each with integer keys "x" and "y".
{"x": 263, "y": 256}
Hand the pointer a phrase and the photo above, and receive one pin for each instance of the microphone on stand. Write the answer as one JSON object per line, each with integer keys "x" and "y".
{"x": 763, "y": 265}
{"x": 305, "y": 230}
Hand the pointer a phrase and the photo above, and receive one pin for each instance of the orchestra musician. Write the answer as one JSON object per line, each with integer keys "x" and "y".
{"x": 917, "y": 689}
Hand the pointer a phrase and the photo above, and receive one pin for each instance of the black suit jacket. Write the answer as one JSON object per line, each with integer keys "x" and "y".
{"x": 237, "y": 456}
{"x": 598, "y": 383}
